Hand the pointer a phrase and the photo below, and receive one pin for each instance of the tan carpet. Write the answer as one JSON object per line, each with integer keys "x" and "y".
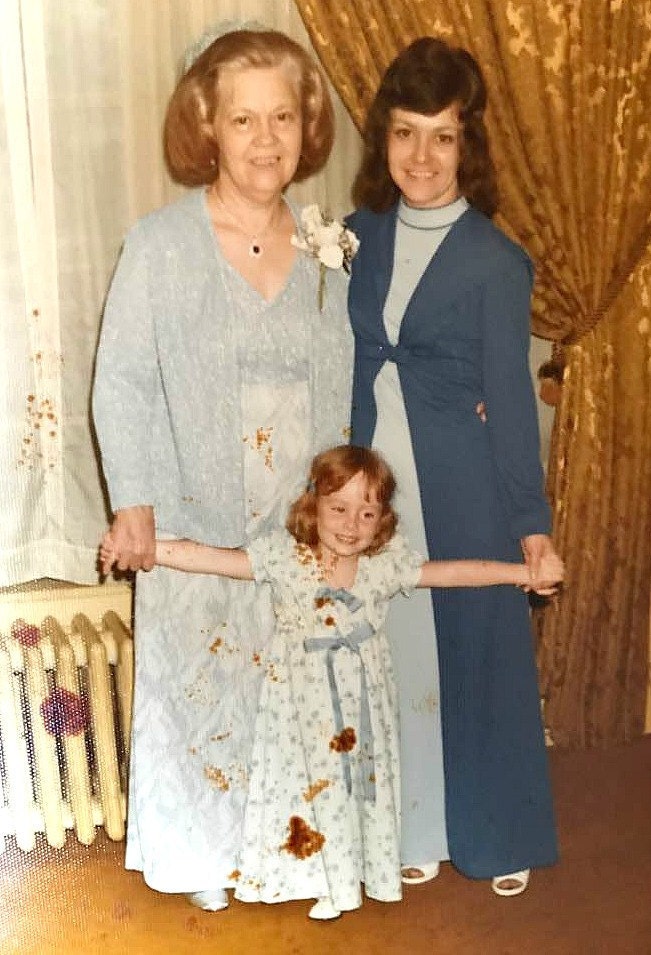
{"x": 597, "y": 901}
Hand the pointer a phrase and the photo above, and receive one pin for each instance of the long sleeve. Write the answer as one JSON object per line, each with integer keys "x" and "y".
{"x": 127, "y": 381}
{"x": 509, "y": 397}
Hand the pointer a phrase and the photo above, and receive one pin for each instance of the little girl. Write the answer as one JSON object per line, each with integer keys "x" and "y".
{"x": 323, "y": 811}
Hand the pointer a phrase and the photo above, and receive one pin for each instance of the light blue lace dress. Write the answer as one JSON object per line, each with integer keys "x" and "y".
{"x": 234, "y": 396}
{"x": 411, "y": 620}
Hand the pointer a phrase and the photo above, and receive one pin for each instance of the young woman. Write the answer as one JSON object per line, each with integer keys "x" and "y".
{"x": 439, "y": 304}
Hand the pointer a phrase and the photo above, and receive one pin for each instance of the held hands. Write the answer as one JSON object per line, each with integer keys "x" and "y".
{"x": 550, "y": 575}
{"x": 130, "y": 543}
{"x": 107, "y": 553}
{"x": 546, "y": 569}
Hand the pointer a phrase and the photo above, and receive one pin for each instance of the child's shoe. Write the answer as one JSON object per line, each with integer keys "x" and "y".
{"x": 212, "y": 900}
{"x": 324, "y": 909}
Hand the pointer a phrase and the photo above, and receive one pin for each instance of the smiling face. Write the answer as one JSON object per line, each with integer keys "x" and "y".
{"x": 423, "y": 155}
{"x": 258, "y": 131}
{"x": 347, "y": 520}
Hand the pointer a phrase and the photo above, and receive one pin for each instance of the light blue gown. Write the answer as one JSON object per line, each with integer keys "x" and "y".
{"x": 209, "y": 403}
{"x": 411, "y": 628}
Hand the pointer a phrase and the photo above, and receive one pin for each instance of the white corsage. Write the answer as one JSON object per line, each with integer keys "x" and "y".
{"x": 327, "y": 240}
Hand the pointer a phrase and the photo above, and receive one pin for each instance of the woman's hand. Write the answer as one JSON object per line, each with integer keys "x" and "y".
{"x": 106, "y": 553}
{"x": 534, "y": 548}
{"x": 130, "y": 544}
{"x": 550, "y": 575}
{"x": 546, "y": 569}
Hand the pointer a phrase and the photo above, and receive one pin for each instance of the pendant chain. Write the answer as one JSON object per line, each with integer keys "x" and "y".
{"x": 255, "y": 249}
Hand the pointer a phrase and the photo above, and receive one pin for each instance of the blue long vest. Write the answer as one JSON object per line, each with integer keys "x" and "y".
{"x": 465, "y": 339}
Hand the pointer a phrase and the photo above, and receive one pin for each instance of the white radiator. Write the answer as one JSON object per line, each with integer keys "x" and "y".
{"x": 66, "y": 683}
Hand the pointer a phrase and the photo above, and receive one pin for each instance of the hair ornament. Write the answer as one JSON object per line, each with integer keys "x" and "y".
{"x": 213, "y": 33}
{"x": 310, "y": 487}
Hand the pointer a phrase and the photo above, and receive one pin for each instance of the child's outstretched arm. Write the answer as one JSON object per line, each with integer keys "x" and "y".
{"x": 196, "y": 558}
{"x": 488, "y": 573}
{"x": 191, "y": 557}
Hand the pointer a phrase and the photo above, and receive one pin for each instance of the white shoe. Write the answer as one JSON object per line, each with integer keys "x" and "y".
{"x": 521, "y": 880}
{"x": 426, "y": 873}
{"x": 324, "y": 909}
{"x": 212, "y": 900}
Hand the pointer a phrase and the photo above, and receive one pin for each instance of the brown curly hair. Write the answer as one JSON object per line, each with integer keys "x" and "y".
{"x": 329, "y": 472}
{"x": 191, "y": 153}
{"x": 427, "y": 77}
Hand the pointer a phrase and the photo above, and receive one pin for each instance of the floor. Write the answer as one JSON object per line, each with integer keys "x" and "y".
{"x": 596, "y": 901}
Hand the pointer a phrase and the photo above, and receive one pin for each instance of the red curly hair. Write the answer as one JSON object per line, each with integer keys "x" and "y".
{"x": 329, "y": 472}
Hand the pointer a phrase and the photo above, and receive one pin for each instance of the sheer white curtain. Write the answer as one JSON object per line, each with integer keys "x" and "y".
{"x": 83, "y": 90}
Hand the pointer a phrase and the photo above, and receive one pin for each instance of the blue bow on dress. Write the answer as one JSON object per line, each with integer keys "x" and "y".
{"x": 350, "y": 641}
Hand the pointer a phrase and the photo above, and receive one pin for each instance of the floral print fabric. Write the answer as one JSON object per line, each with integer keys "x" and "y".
{"x": 305, "y": 836}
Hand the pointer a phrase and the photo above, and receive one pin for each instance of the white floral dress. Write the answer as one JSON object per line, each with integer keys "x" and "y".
{"x": 323, "y": 812}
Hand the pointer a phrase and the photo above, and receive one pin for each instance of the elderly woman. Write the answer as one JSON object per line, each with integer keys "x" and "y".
{"x": 218, "y": 378}
{"x": 439, "y": 303}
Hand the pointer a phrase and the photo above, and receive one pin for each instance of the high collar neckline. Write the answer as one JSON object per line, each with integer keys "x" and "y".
{"x": 438, "y": 218}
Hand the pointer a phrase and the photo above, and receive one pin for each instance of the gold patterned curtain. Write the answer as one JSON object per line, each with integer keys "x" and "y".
{"x": 570, "y": 124}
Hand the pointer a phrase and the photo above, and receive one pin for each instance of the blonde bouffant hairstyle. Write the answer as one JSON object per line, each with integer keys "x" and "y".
{"x": 329, "y": 472}
{"x": 191, "y": 153}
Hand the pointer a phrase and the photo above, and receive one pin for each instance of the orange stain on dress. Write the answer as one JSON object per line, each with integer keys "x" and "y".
{"x": 345, "y": 741}
{"x": 302, "y": 841}
{"x": 217, "y": 776}
{"x": 313, "y": 791}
